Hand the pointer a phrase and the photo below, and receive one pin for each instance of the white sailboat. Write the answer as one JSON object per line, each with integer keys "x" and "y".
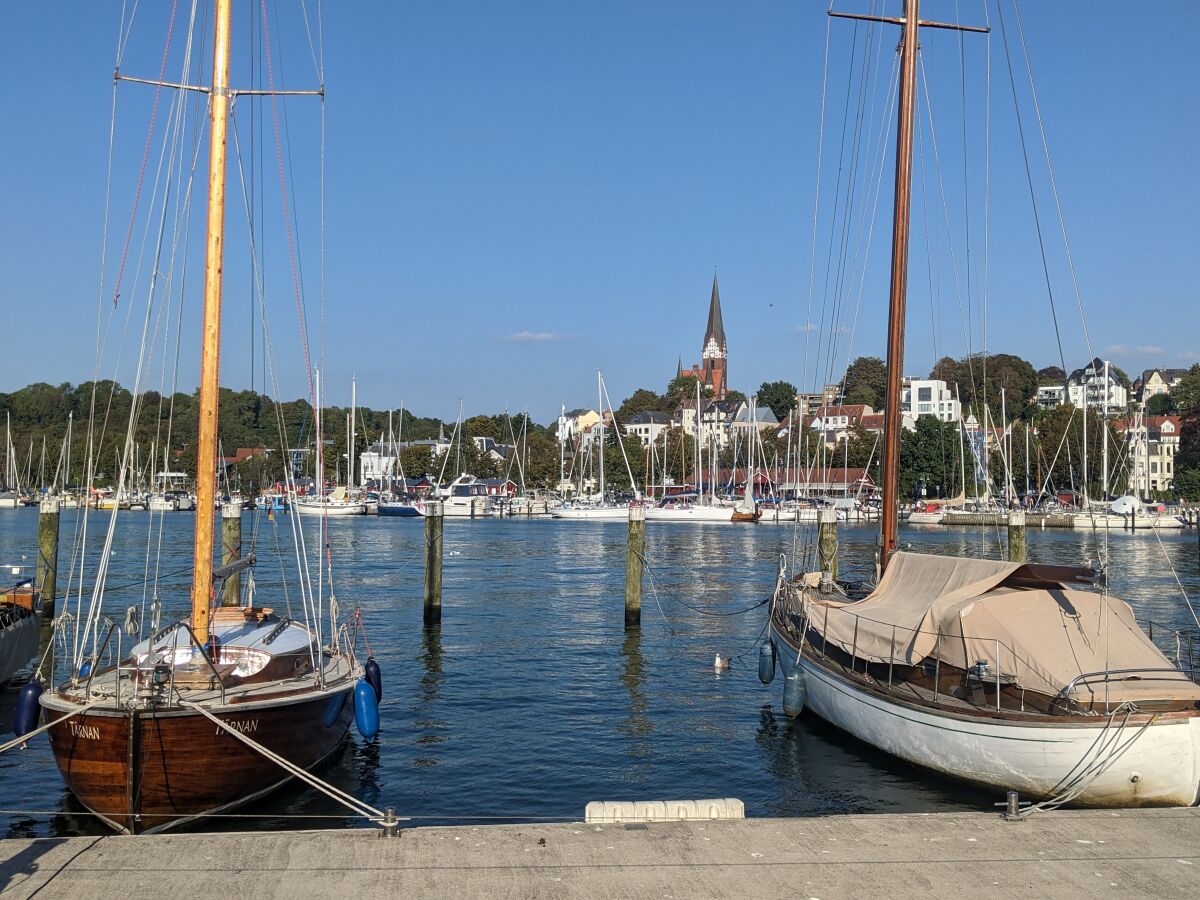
{"x": 1001, "y": 674}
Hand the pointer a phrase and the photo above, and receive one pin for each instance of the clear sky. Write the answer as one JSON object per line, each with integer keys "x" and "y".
{"x": 522, "y": 193}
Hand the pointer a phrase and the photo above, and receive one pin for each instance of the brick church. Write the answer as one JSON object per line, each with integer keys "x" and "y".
{"x": 714, "y": 355}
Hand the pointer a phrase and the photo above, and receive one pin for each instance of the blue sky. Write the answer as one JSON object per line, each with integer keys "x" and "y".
{"x": 519, "y": 194}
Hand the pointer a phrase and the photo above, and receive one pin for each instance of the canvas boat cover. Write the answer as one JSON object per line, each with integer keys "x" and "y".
{"x": 1023, "y": 619}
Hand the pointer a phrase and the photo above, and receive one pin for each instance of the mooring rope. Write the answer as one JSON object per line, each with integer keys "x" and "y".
{"x": 347, "y": 800}
{"x": 23, "y": 739}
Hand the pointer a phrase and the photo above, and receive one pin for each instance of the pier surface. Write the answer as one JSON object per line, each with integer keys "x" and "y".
{"x": 1151, "y": 853}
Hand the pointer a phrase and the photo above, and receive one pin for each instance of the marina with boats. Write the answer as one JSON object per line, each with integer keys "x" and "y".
{"x": 980, "y": 596}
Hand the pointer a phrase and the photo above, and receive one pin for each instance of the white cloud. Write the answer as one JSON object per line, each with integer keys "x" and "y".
{"x": 1117, "y": 349}
{"x": 534, "y": 337}
{"x": 1150, "y": 348}
{"x": 806, "y": 328}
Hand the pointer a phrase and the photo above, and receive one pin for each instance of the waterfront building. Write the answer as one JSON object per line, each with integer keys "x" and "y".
{"x": 929, "y": 397}
{"x": 647, "y": 426}
{"x": 1095, "y": 385}
{"x": 810, "y": 404}
{"x": 1151, "y": 443}
{"x": 1157, "y": 381}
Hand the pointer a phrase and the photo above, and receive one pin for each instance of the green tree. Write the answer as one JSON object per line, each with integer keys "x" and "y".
{"x": 780, "y": 396}
{"x": 866, "y": 382}
{"x": 1161, "y": 405}
{"x": 684, "y": 388}
{"x": 1051, "y": 375}
{"x": 1186, "y": 394}
{"x": 641, "y": 400}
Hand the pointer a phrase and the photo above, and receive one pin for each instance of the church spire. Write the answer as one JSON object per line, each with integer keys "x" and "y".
{"x": 679, "y": 368}
{"x": 716, "y": 327}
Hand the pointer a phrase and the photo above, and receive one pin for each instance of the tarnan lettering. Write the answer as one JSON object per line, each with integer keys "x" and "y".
{"x": 91, "y": 732}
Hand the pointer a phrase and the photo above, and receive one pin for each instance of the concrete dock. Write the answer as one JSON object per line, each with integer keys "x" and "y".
{"x": 1152, "y": 853}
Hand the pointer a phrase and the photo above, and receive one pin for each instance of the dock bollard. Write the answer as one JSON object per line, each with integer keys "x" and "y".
{"x": 827, "y": 541}
{"x": 231, "y": 550}
{"x": 47, "y": 567}
{"x": 390, "y": 824}
{"x": 434, "y": 521}
{"x": 635, "y": 554}
{"x": 1016, "y": 536}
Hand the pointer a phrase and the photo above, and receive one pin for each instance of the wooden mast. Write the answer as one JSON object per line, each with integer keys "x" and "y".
{"x": 899, "y": 291}
{"x": 911, "y": 23}
{"x": 210, "y": 353}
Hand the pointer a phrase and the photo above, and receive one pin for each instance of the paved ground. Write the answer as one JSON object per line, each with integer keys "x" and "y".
{"x": 1061, "y": 854}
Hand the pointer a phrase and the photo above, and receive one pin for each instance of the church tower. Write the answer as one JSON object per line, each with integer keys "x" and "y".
{"x": 715, "y": 355}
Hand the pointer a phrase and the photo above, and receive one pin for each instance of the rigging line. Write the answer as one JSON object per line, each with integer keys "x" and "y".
{"x": 962, "y": 80}
{"x": 124, "y": 31}
{"x": 162, "y": 71}
{"x": 308, "y": 34}
{"x": 1029, "y": 179}
{"x": 812, "y": 263}
{"x": 881, "y": 159}
{"x": 1174, "y": 574}
{"x": 270, "y": 371}
{"x": 848, "y": 207}
{"x": 937, "y": 167}
{"x": 874, "y": 180}
{"x": 284, "y": 197}
{"x": 837, "y": 194}
{"x": 1062, "y": 222}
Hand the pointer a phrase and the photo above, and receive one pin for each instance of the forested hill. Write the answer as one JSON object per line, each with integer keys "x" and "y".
{"x": 247, "y": 419}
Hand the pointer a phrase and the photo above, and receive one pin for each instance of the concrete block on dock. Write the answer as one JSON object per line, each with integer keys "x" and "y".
{"x": 612, "y": 811}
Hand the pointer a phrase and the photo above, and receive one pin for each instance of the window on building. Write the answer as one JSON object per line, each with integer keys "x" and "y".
{"x": 1153, "y": 468}
{"x": 924, "y": 393}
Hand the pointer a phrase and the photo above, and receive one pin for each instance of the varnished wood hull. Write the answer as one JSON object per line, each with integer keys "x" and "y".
{"x": 144, "y": 772}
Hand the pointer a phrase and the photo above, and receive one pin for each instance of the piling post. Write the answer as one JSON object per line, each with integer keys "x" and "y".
{"x": 635, "y": 556}
{"x": 47, "y": 566}
{"x": 231, "y": 550}
{"x": 827, "y": 541}
{"x": 434, "y": 521}
{"x": 1016, "y": 536}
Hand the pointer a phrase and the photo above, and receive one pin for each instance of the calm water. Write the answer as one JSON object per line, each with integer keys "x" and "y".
{"x": 531, "y": 700}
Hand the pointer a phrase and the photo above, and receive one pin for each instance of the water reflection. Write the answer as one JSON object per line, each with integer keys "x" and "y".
{"x": 531, "y": 699}
{"x": 637, "y": 726}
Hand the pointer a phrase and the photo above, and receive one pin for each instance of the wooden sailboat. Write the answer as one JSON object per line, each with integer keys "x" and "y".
{"x": 1002, "y": 674}
{"x": 151, "y": 742}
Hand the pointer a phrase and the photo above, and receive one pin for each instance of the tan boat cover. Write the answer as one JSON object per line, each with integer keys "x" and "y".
{"x": 962, "y": 611}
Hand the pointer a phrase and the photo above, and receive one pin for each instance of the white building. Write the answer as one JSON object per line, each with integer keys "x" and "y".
{"x": 928, "y": 397}
{"x": 1152, "y": 443}
{"x": 647, "y": 426}
{"x": 1094, "y": 385}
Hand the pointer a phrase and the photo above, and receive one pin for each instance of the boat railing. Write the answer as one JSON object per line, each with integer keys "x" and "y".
{"x": 87, "y": 690}
{"x": 1168, "y": 673}
{"x": 1185, "y": 643}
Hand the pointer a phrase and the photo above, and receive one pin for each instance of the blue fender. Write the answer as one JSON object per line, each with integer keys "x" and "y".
{"x": 26, "y": 717}
{"x": 366, "y": 709}
{"x": 375, "y": 677}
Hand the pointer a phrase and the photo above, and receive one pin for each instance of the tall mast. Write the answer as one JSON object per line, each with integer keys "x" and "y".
{"x": 210, "y": 351}
{"x": 895, "y": 351}
{"x": 899, "y": 291}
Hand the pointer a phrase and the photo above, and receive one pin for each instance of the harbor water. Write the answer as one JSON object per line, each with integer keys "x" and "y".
{"x": 531, "y": 699}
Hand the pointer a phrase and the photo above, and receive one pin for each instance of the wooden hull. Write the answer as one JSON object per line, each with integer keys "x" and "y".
{"x": 144, "y": 772}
